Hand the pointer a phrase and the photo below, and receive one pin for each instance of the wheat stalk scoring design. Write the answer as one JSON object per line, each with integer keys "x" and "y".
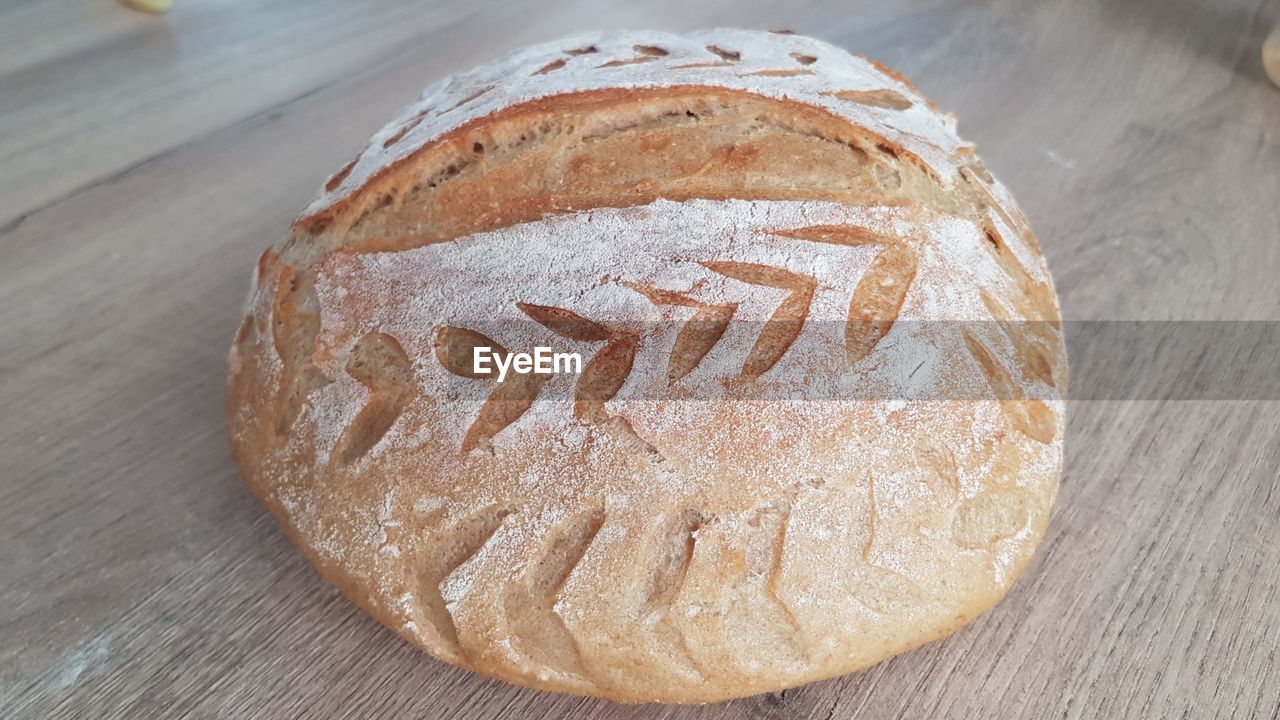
{"x": 873, "y": 309}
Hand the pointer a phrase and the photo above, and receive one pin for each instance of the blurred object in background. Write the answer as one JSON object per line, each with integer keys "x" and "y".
{"x": 1271, "y": 55}
{"x": 151, "y": 6}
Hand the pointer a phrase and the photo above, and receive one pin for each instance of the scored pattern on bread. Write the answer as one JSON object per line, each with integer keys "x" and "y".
{"x": 1033, "y": 418}
{"x": 454, "y": 547}
{"x": 784, "y": 325}
{"x": 820, "y": 416}
{"x": 787, "y": 67}
{"x": 887, "y": 99}
{"x": 872, "y": 311}
{"x": 878, "y": 298}
{"x": 942, "y": 461}
{"x": 295, "y": 323}
{"x": 530, "y": 604}
{"x": 606, "y": 371}
{"x": 1033, "y": 342}
{"x": 871, "y": 519}
{"x": 990, "y": 517}
{"x": 455, "y": 348}
{"x": 677, "y": 541}
{"x": 698, "y": 335}
{"x": 774, "y": 521}
{"x": 380, "y": 364}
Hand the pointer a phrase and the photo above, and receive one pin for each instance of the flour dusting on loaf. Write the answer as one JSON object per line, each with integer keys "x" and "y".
{"x": 777, "y": 65}
{"x": 820, "y": 419}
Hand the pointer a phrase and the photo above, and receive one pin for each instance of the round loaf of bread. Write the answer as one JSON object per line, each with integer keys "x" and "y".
{"x": 817, "y": 417}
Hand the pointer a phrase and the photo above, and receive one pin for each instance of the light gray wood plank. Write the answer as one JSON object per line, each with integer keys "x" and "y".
{"x": 145, "y": 162}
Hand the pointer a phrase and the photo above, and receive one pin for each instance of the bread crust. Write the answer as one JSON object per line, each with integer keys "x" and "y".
{"x": 752, "y": 239}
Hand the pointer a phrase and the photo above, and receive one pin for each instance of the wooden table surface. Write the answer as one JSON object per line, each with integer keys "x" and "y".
{"x": 145, "y": 162}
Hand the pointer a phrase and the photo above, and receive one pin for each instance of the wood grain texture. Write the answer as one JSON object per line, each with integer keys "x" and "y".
{"x": 145, "y": 162}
